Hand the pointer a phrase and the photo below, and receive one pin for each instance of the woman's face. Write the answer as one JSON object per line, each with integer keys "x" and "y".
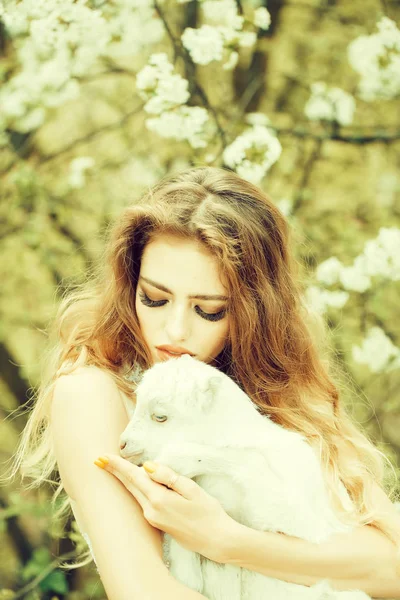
{"x": 185, "y": 268}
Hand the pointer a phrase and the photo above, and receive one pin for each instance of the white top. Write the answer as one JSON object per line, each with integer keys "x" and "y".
{"x": 134, "y": 376}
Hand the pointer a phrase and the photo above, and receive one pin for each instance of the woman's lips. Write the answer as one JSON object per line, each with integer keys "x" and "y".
{"x": 165, "y": 355}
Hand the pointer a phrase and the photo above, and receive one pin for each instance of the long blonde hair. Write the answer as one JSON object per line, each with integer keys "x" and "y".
{"x": 274, "y": 352}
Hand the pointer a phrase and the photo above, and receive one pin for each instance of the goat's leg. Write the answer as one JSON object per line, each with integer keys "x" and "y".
{"x": 183, "y": 564}
{"x": 222, "y": 581}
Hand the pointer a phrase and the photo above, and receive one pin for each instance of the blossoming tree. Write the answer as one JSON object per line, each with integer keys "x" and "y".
{"x": 99, "y": 99}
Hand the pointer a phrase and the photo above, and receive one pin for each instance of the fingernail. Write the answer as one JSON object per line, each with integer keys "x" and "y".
{"x": 104, "y": 459}
{"x": 99, "y": 463}
{"x": 149, "y": 466}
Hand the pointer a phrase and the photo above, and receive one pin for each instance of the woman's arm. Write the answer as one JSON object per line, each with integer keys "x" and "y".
{"x": 363, "y": 559}
{"x": 87, "y": 418}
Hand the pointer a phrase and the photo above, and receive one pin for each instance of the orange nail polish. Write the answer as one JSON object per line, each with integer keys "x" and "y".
{"x": 104, "y": 459}
{"x": 99, "y": 463}
{"x": 149, "y": 466}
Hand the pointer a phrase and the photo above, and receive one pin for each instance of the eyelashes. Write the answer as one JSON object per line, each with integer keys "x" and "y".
{"x": 208, "y": 316}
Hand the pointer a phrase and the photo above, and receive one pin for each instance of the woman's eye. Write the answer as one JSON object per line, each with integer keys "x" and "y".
{"x": 208, "y": 316}
{"x": 146, "y": 300}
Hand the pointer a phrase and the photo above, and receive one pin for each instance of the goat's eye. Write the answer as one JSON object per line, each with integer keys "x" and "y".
{"x": 158, "y": 418}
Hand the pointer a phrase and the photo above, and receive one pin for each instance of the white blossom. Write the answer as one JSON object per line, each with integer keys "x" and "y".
{"x": 231, "y": 62}
{"x": 78, "y": 169}
{"x": 204, "y": 44}
{"x": 379, "y": 258}
{"x": 336, "y": 299}
{"x": 319, "y": 299}
{"x": 26, "y": 96}
{"x": 166, "y": 94}
{"x": 160, "y": 60}
{"x": 257, "y": 118}
{"x": 32, "y": 120}
{"x": 382, "y": 255}
{"x": 353, "y": 278}
{"x": 262, "y": 18}
{"x": 157, "y": 84}
{"x": 328, "y": 271}
{"x": 376, "y": 58}
{"x": 15, "y": 22}
{"x": 55, "y": 41}
{"x": 253, "y": 153}
{"x": 223, "y": 37}
{"x": 247, "y": 39}
{"x": 222, "y": 12}
{"x": 233, "y": 40}
{"x": 134, "y": 26}
{"x": 58, "y": 41}
{"x": 285, "y": 206}
{"x": 251, "y": 171}
{"x": 330, "y": 104}
{"x": 60, "y": 26}
{"x": 376, "y": 351}
{"x": 171, "y": 91}
{"x": 146, "y": 80}
{"x": 184, "y": 123}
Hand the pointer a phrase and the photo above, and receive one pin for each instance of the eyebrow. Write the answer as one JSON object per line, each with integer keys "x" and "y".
{"x": 195, "y": 296}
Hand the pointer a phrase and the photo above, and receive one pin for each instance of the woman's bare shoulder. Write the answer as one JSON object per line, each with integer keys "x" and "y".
{"x": 92, "y": 385}
{"x": 87, "y": 374}
{"x": 87, "y": 417}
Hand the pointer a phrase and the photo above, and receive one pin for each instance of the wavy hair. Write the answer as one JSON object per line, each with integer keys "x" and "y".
{"x": 278, "y": 351}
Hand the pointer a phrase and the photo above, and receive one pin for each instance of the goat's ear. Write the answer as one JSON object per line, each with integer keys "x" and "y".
{"x": 214, "y": 384}
{"x": 209, "y": 387}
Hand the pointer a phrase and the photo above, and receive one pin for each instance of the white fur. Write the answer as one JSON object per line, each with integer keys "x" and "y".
{"x": 265, "y": 477}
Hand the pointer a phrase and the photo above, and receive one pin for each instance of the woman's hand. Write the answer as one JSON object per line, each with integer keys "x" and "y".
{"x": 190, "y": 515}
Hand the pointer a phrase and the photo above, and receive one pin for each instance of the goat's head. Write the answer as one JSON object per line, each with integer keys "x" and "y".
{"x": 176, "y": 400}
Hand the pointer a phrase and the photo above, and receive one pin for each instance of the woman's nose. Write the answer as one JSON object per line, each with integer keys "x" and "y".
{"x": 178, "y": 327}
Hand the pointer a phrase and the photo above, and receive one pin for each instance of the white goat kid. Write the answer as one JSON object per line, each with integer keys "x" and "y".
{"x": 197, "y": 420}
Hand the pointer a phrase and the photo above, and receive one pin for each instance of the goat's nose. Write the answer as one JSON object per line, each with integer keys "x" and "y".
{"x": 122, "y": 446}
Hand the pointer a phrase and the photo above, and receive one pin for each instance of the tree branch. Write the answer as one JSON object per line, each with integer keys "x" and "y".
{"x": 90, "y": 136}
{"x": 347, "y": 139}
{"x": 180, "y": 50}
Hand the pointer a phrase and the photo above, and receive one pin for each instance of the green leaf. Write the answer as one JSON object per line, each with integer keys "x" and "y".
{"x": 42, "y": 556}
{"x": 40, "y": 559}
{"x": 55, "y": 582}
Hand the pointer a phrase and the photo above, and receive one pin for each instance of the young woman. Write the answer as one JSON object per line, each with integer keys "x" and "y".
{"x": 202, "y": 265}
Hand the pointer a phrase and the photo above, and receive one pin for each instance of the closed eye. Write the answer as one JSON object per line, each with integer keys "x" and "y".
{"x": 157, "y": 303}
{"x": 159, "y": 418}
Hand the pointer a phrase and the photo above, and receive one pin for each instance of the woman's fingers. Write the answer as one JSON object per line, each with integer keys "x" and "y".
{"x": 141, "y": 483}
{"x": 133, "y": 478}
{"x": 168, "y": 477}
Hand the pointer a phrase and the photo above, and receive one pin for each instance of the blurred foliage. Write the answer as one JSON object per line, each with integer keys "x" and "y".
{"x": 341, "y": 190}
